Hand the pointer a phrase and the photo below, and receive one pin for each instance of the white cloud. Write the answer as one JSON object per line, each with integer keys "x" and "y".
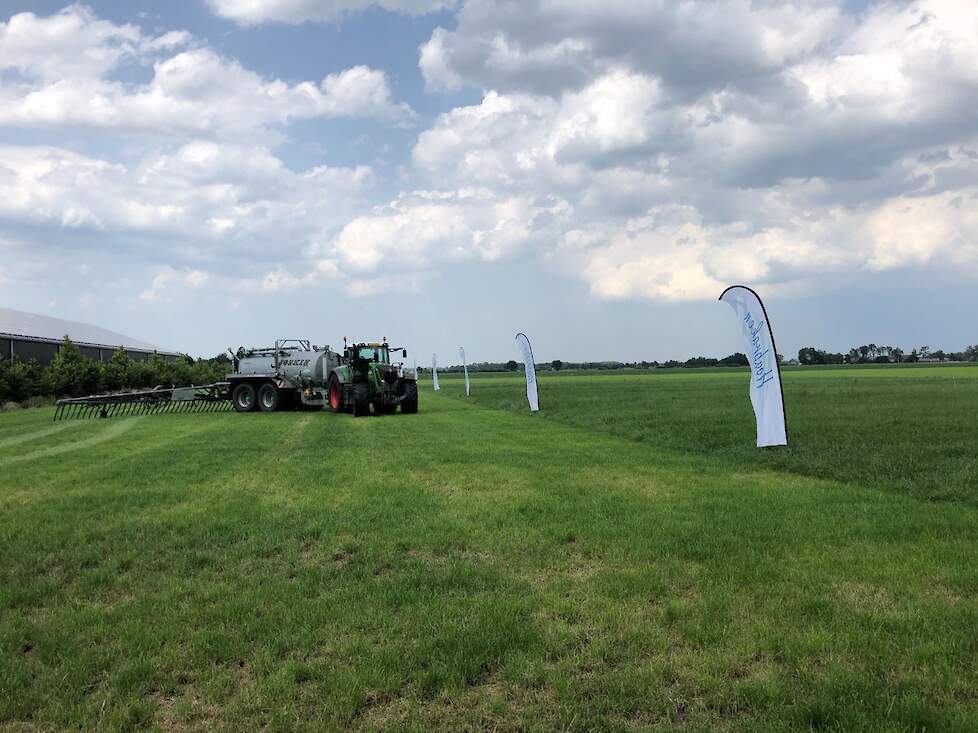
{"x": 552, "y": 46}
{"x": 645, "y": 216}
{"x": 238, "y": 206}
{"x": 385, "y": 284}
{"x": 421, "y": 229}
{"x": 251, "y": 12}
{"x": 205, "y": 191}
{"x": 67, "y": 61}
{"x": 915, "y": 230}
{"x": 435, "y": 65}
{"x": 198, "y": 93}
{"x": 168, "y": 281}
{"x": 361, "y": 92}
{"x": 71, "y": 44}
{"x": 276, "y": 280}
{"x": 700, "y": 144}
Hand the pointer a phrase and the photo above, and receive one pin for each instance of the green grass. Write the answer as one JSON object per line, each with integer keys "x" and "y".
{"x": 484, "y": 569}
{"x": 911, "y": 430}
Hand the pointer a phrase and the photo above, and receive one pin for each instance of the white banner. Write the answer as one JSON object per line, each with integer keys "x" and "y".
{"x": 465, "y": 368}
{"x": 434, "y": 371}
{"x": 765, "y": 382}
{"x": 523, "y": 344}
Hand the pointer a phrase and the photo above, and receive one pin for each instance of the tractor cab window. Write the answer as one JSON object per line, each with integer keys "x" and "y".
{"x": 378, "y": 355}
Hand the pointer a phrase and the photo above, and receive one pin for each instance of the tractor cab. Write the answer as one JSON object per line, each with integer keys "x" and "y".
{"x": 361, "y": 355}
{"x": 378, "y": 353}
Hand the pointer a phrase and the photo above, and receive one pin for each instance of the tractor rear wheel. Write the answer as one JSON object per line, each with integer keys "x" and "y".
{"x": 409, "y": 405}
{"x": 244, "y": 398}
{"x": 334, "y": 395}
{"x": 361, "y": 400}
{"x": 268, "y": 397}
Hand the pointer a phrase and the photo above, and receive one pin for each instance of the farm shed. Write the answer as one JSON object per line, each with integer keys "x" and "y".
{"x": 32, "y": 336}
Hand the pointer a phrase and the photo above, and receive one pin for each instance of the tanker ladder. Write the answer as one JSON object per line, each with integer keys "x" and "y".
{"x": 204, "y": 398}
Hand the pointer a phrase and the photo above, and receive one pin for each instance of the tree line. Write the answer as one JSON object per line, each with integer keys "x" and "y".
{"x": 873, "y": 354}
{"x": 867, "y": 354}
{"x": 736, "y": 359}
{"x": 71, "y": 374}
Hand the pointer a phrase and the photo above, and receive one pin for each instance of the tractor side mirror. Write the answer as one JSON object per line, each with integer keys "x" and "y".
{"x": 404, "y": 353}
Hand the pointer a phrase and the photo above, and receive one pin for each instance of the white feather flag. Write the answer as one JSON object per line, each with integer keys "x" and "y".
{"x": 434, "y": 371}
{"x": 765, "y": 383}
{"x": 523, "y": 344}
{"x": 417, "y": 374}
{"x": 465, "y": 368}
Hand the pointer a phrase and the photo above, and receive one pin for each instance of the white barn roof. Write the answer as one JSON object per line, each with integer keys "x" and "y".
{"x": 19, "y": 323}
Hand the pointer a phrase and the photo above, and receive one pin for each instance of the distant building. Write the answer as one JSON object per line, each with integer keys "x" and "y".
{"x": 31, "y": 336}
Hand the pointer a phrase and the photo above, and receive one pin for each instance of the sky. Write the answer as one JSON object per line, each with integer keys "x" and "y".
{"x": 215, "y": 173}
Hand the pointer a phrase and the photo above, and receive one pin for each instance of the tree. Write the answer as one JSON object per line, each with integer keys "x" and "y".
{"x": 72, "y": 374}
{"x": 810, "y": 355}
{"x": 4, "y": 380}
{"x": 21, "y": 380}
{"x": 512, "y": 366}
{"x": 207, "y": 371}
{"x": 735, "y": 359}
{"x": 114, "y": 372}
{"x": 140, "y": 374}
{"x": 557, "y": 365}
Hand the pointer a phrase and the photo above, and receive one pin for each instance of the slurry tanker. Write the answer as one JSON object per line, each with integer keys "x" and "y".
{"x": 292, "y": 373}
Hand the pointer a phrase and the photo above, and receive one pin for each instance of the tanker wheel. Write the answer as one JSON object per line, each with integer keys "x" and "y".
{"x": 361, "y": 400}
{"x": 409, "y": 405}
{"x": 244, "y": 398}
{"x": 268, "y": 397}
{"x": 334, "y": 394}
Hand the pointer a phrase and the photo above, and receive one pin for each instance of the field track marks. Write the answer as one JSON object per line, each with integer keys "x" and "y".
{"x": 112, "y": 431}
{"x": 51, "y": 430}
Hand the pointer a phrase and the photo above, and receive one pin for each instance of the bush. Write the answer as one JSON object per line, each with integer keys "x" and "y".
{"x": 71, "y": 374}
{"x": 18, "y": 380}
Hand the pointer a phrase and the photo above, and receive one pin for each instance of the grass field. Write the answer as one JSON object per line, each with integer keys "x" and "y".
{"x": 907, "y": 428}
{"x": 623, "y": 560}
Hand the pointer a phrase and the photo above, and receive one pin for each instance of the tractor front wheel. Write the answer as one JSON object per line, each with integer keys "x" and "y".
{"x": 268, "y": 397}
{"x": 409, "y": 405}
{"x": 244, "y": 398}
{"x": 361, "y": 400}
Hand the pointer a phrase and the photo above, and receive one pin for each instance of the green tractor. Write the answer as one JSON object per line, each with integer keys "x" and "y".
{"x": 367, "y": 379}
